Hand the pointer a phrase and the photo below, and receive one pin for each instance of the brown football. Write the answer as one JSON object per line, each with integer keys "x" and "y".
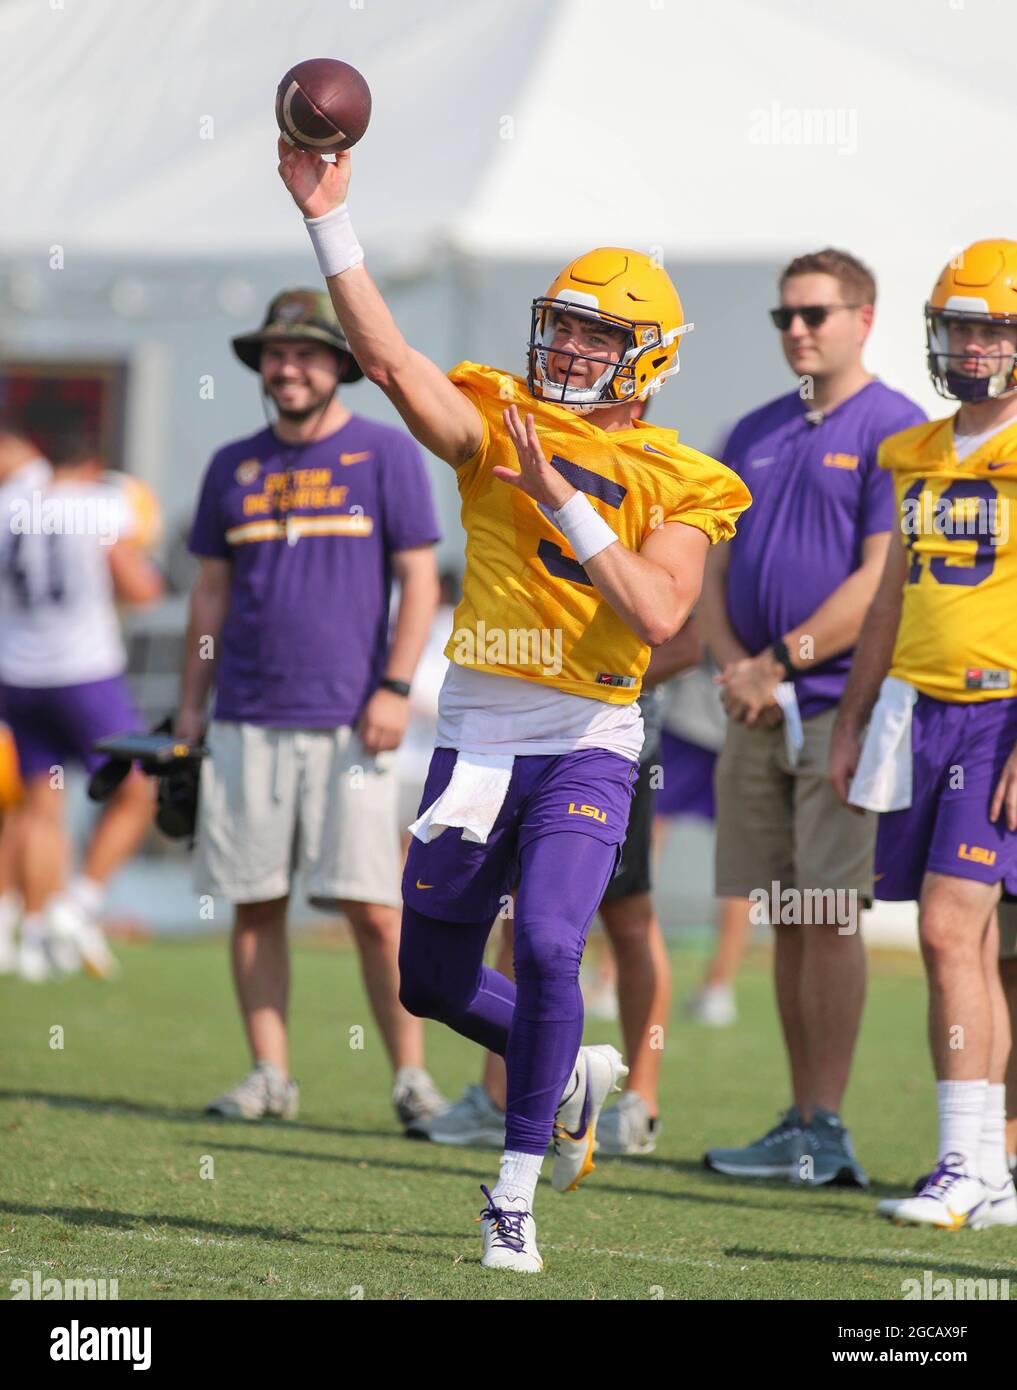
{"x": 323, "y": 105}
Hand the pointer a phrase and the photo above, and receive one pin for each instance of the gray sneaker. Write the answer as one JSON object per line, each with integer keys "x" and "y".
{"x": 263, "y": 1091}
{"x": 833, "y": 1158}
{"x": 775, "y": 1155}
{"x": 627, "y": 1128}
{"x": 473, "y": 1121}
{"x": 417, "y": 1101}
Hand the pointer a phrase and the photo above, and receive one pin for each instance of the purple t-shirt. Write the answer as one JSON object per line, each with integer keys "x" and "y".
{"x": 816, "y": 494}
{"x": 309, "y": 530}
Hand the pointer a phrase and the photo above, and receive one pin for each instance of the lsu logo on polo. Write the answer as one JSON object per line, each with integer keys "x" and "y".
{"x": 976, "y": 854}
{"x": 848, "y": 461}
{"x": 590, "y": 811}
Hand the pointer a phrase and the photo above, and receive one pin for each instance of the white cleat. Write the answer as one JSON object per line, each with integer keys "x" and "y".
{"x": 597, "y": 1073}
{"x": 510, "y": 1235}
{"x": 1000, "y": 1206}
{"x": 950, "y": 1200}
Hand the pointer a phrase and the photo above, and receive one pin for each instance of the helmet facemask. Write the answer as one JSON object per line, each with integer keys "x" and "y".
{"x": 617, "y": 383}
{"x": 945, "y": 366}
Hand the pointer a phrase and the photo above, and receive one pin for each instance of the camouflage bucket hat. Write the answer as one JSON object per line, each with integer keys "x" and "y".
{"x": 297, "y": 314}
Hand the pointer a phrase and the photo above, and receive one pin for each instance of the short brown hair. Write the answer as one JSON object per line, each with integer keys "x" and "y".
{"x": 857, "y": 282}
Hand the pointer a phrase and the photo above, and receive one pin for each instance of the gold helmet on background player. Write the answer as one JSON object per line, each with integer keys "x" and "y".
{"x": 979, "y": 288}
{"x": 622, "y": 290}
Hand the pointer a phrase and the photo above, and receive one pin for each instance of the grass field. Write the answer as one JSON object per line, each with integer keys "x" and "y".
{"x": 103, "y": 1144}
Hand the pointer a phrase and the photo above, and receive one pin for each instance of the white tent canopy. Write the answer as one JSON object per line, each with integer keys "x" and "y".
{"x": 742, "y": 127}
{"x": 741, "y": 131}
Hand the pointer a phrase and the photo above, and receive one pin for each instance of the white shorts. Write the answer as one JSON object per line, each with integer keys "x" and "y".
{"x": 276, "y": 800}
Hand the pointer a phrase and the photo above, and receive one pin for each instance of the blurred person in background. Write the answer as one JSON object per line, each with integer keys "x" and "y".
{"x": 782, "y": 607}
{"x": 72, "y": 548}
{"x": 300, "y": 530}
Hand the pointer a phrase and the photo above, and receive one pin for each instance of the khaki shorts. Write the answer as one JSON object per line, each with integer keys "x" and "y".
{"x": 781, "y": 824}
{"x": 1007, "y": 930}
{"x": 275, "y": 800}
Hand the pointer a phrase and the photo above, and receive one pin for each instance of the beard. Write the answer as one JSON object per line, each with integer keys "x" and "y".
{"x": 317, "y": 403}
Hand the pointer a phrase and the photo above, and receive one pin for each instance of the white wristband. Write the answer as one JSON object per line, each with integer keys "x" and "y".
{"x": 334, "y": 240}
{"x": 586, "y": 532}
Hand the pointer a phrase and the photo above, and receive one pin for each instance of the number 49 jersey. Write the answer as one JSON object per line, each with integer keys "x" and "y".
{"x": 529, "y": 609}
{"x": 957, "y": 638}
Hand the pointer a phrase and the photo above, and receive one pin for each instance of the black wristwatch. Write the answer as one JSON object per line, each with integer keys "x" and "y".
{"x": 396, "y": 687}
{"x": 780, "y": 653}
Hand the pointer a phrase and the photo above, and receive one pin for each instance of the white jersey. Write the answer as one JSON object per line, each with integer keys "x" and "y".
{"x": 58, "y": 620}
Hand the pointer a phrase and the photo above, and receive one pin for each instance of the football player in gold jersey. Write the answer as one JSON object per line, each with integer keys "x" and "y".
{"x": 939, "y": 758}
{"x": 586, "y": 534}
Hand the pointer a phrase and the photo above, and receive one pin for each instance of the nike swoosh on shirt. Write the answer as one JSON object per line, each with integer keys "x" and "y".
{"x": 1003, "y": 463}
{"x": 424, "y": 885}
{"x": 651, "y": 450}
{"x": 353, "y": 458}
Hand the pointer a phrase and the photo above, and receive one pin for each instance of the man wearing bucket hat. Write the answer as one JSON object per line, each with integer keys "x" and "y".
{"x": 300, "y": 530}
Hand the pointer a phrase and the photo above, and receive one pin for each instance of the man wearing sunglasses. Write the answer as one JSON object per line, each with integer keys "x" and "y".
{"x": 781, "y": 608}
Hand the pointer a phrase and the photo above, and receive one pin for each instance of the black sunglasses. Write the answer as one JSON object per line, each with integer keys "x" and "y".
{"x": 812, "y": 315}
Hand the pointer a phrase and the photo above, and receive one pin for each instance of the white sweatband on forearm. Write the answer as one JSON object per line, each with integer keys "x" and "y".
{"x": 586, "y": 532}
{"x": 334, "y": 240}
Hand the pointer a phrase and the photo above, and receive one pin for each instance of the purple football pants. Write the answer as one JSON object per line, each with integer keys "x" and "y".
{"x": 558, "y": 836}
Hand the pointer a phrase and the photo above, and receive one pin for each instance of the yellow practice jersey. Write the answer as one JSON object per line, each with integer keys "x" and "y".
{"x": 957, "y": 638}
{"x": 528, "y": 607}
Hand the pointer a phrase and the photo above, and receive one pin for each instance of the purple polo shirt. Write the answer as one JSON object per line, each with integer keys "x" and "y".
{"x": 309, "y": 530}
{"x": 816, "y": 494}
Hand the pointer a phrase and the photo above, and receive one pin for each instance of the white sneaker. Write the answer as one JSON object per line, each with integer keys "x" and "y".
{"x": 263, "y": 1091}
{"x": 78, "y": 940}
{"x": 10, "y": 915}
{"x": 596, "y": 1074}
{"x": 34, "y": 962}
{"x": 627, "y": 1127}
{"x": 951, "y": 1199}
{"x": 712, "y": 1005}
{"x": 417, "y": 1101}
{"x": 510, "y": 1235}
{"x": 473, "y": 1120}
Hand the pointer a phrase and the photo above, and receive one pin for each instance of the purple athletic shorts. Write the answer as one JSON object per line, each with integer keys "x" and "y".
{"x": 57, "y": 724}
{"x": 958, "y": 752}
{"x": 453, "y": 879}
